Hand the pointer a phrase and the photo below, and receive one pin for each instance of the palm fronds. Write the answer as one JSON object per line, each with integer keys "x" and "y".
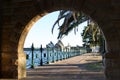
{"x": 71, "y": 21}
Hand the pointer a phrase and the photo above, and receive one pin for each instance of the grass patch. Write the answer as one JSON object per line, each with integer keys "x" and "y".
{"x": 95, "y": 66}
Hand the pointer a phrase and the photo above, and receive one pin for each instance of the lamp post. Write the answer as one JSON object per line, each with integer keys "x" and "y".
{"x": 41, "y": 62}
{"x": 57, "y": 54}
{"x": 47, "y": 55}
{"x": 32, "y": 48}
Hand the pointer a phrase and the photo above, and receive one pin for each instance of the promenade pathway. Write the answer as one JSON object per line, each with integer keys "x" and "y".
{"x": 84, "y": 67}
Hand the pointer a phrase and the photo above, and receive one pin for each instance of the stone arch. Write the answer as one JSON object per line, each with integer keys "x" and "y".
{"x": 26, "y": 29}
{"x": 19, "y": 16}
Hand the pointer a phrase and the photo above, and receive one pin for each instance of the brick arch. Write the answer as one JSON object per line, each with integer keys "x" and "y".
{"x": 24, "y": 13}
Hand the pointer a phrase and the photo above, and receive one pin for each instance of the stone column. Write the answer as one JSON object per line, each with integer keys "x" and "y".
{"x": 13, "y": 65}
{"x": 21, "y": 65}
{"x": 9, "y": 56}
{"x": 112, "y": 66}
{"x": 12, "y": 61}
{"x": 112, "y": 57}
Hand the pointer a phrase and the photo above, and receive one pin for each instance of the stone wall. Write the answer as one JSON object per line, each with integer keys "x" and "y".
{"x": 18, "y": 16}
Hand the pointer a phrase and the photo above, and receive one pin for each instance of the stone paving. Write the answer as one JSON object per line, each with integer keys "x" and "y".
{"x": 75, "y": 68}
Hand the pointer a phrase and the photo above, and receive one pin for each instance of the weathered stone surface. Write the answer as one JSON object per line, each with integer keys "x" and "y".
{"x": 112, "y": 70}
{"x": 18, "y": 16}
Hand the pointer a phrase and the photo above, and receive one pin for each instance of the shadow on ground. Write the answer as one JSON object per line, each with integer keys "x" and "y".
{"x": 89, "y": 69}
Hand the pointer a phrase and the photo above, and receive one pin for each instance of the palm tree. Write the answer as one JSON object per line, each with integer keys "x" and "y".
{"x": 92, "y": 36}
{"x": 71, "y": 21}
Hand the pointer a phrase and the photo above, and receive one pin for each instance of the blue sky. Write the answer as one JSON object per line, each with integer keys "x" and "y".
{"x": 40, "y": 33}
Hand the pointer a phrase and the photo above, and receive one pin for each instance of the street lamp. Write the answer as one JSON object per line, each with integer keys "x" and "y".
{"x": 41, "y": 62}
{"x": 32, "y": 48}
{"x": 48, "y": 55}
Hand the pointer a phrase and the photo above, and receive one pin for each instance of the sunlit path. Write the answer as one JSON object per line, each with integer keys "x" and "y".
{"x": 85, "y": 67}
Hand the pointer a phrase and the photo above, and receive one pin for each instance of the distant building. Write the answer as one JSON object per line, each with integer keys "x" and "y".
{"x": 50, "y": 45}
{"x": 67, "y": 48}
{"x": 59, "y": 45}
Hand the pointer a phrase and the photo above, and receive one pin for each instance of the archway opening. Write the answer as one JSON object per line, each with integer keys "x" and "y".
{"x": 27, "y": 30}
{"x": 41, "y": 34}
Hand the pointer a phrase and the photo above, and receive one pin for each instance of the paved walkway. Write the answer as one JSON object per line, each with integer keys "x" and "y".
{"x": 83, "y": 67}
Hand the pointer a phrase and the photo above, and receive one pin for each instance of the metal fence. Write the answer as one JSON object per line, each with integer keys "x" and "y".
{"x": 36, "y": 57}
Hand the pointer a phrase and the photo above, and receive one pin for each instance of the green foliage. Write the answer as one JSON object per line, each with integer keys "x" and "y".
{"x": 92, "y": 35}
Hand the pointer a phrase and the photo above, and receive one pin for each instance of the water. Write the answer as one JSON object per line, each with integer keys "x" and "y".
{"x": 48, "y": 56}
